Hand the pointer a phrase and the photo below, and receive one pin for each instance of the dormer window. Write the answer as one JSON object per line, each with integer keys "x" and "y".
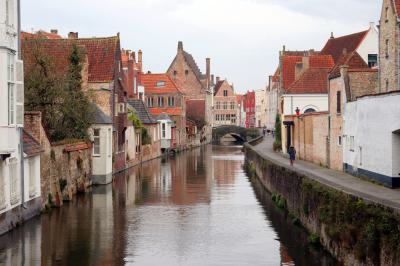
{"x": 160, "y": 84}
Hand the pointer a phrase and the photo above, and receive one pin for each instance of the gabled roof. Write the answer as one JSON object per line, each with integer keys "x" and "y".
{"x": 335, "y": 46}
{"x": 99, "y": 117}
{"x": 218, "y": 86}
{"x": 352, "y": 60}
{"x": 155, "y": 111}
{"x": 102, "y": 57}
{"x": 30, "y": 145}
{"x": 312, "y": 81}
{"x": 193, "y": 65}
{"x": 149, "y": 81}
{"x": 288, "y": 69}
{"x": 142, "y": 112}
{"x": 196, "y": 112}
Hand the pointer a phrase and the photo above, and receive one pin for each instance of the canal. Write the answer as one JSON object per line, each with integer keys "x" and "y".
{"x": 198, "y": 208}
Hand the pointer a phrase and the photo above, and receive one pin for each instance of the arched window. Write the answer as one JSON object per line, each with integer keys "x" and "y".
{"x": 309, "y": 110}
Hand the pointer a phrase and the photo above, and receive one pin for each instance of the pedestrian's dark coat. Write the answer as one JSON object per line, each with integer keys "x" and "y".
{"x": 292, "y": 153}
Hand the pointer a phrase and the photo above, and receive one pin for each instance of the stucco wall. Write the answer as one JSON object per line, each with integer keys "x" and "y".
{"x": 319, "y": 102}
{"x": 369, "y": 44}
{"x": 102, "y": 164}
{"x": 372, "y": 121}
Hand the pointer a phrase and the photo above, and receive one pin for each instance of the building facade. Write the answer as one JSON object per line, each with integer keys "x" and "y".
{"x": 250, "y": 106}
{"x": 19, "y": 151}
{"x": 225, "y": 104}
{"x": 389, "y": 34}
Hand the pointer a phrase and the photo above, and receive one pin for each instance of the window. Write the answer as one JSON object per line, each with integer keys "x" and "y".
{"x": 233, "y": 105}
{"x": 32, "y": 177}
{"x": 160, "y": 84}
{"x": 109, "y": 142}
{"x": 217, "y": 117}
{"x": 338, "y": 102}
{"x": 171, "y": 101}
{"x": 361, "y": 156}
{"x": 150, "y": 102}
{"x": 372, "y": 60}
{"x": 387, "y": 14}
{"x": 309, "y": 110}
{"x": 96, "y": 142}
{"x": 175, "y": 73}
{"x": 222, "y": 117}
{"x": 115, "y": 104}
{"x": 11, "y": 104}
{"x": 186, "y": 72}
{"x": 161, "y": 101}
{"x": 228, "y": 117}
{"x": 352, "y": 143}
{"x": 163, "y": 130}
{"x": 225, "y": 93}
{"x": 218, "y": 105}
{"x": 9, "y": 12}
{"x": 225, "y": 105}
{"x": 387, "y": 48}
{"x": 339, "y": 141}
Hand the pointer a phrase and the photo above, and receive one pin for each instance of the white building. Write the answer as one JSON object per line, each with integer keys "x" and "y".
{"x": 272, "y": 100}
{"x": 371, "y": 138}
{"x": 19, "y": 164}
{"x": 261, "y": 108}
{"x": 166, "y": 124}
{"x": 102, "y": 140}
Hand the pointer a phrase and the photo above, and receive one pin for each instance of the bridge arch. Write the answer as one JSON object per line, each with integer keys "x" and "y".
{"x": 239, "y": 133}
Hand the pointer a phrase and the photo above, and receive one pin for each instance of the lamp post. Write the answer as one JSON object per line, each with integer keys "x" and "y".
{"x": 298, "y": 127}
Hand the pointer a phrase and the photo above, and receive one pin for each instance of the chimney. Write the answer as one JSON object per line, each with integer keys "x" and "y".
{"x": 305, "y": 63}
{"x": 208, "y": 72}
{"x": 217, "y": 80}
{"x": 332, "y": 37}
{"x": 73, "y": 35}
{"x": 284, "y": 49}
{"x": 372, "y": 25}
{"x": 180, "y": 46}
{"x": 212, "y": 80}
{"x": 140, "y": 54}
{"x": 54, "y": 31}
{"x": 344, "y": 70}
{"x": 298, "y": 70}
{"x": 133, "y": 56}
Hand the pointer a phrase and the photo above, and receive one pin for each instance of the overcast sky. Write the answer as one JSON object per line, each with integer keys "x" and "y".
{"x": 242, "y": 37}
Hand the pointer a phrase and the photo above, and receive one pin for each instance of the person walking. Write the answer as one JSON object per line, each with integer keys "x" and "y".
{"x": 264, "y": 131}
{"x": 292, "y": 155}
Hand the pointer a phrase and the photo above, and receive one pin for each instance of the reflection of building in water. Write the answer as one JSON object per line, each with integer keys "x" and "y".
{"x": 286, "y": 260}
{"x": 225, "y": 167}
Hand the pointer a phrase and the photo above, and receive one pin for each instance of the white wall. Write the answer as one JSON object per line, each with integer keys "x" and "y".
{"x": 272, "y": 108}
{"x": 370, "y": 45}
{"x": 102, "y": 164}
{"x": 304, "y": 101}
{"x": 130, "y": 137}
{"x": 372, "y": 121}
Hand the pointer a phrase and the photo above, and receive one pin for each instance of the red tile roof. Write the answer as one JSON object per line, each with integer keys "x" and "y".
{"x": 30, "y": 145}
{"x": 321, "y": 61}
{"x": 171, "y": 111}
{"x": 288, "y": 69}
{"x": 196, "y": 111}
{"x": 40, "y": 34}
{"x": 351, "y": 42}
{"x": 103, "y": 56}
{"x": 77, "y": 147}
{"x": 352, "y": 60}
{"x": 58, "y": 51}
{"x": 313, "y": 80}
{"x": 149, "y": 81}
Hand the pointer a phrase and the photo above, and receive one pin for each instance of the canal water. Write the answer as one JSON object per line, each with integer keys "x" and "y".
{"x": 198, "y": 208}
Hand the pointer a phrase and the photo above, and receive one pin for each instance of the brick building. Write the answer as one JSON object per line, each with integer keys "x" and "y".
{"x": 250, "y": 109}
{"x": 225, "y": 104}
{"x": 389, "y": 34}
{"x": 162, "y": 95}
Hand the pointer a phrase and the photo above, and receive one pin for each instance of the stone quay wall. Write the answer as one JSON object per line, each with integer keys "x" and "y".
{"x": 352, "y": 229}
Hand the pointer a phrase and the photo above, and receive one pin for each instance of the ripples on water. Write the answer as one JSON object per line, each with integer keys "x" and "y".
{"x": 198, "y": 208}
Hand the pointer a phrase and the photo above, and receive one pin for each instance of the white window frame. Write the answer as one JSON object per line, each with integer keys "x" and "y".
{"x": 32, "y": 177}
{"x": 96, "y": 138}
{"x": 351, "y": 143}
{"x": 164, "y": 130}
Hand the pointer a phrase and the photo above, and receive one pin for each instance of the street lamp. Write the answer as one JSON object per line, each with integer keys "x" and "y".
{"x": 297, "y": 111}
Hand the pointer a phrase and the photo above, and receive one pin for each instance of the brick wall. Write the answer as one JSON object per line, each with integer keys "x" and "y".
{"x": 310, "y": 133}
{"x": 388, "y": 60}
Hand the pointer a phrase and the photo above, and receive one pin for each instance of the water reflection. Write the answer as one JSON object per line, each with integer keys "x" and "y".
{"x": 197, "y": 208}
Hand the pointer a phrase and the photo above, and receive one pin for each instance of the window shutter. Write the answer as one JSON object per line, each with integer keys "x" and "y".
{"x": 19, "y": 99}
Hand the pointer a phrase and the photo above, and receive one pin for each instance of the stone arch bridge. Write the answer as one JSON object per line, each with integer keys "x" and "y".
{"x": 241, "y": 134}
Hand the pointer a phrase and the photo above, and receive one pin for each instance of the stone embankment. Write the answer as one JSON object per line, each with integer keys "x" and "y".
{"x": 356, "y": 227}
